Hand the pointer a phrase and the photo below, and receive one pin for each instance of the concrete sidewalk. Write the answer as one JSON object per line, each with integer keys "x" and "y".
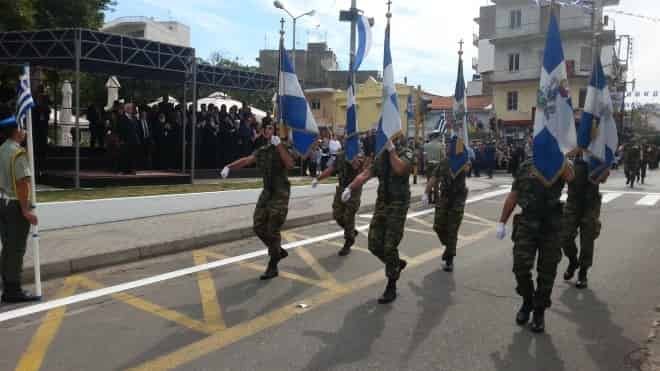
{"x": 72, "y": 250}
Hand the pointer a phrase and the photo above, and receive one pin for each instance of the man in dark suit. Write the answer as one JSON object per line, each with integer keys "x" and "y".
{"x": 129, "y": 139}
{"x": 146, "y": 139}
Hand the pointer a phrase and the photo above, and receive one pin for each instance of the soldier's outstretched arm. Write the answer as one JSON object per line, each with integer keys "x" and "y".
{"x": 400, "y": 167}
{"x": 359, "y": 180}
{"x": 509, "y": 206}
{"x": 286, "y": 157}
{"x": 326, "y": 173}
{"x": 242, "y": 162}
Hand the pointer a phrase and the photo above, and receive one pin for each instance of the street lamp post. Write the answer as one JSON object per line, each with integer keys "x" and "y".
{"x": 278, "y": 4}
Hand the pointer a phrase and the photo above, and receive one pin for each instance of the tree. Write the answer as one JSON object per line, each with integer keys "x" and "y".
{"x": 39, "y": 14}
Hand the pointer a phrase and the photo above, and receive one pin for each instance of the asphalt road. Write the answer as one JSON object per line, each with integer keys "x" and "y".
{"x": 321, "y": 313}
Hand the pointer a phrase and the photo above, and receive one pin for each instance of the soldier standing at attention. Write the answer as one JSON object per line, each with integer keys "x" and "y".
{"x": 392, "y": 167}
{"x": 582, "y": 210}
{"x": 344, "y": 212}
{"x": 449, "y": 208}
{"x": 273, "y": 161}
{"x": 16, "y": 212}
{"x": 535, "y": 230}
{"x": 434, "y": 152}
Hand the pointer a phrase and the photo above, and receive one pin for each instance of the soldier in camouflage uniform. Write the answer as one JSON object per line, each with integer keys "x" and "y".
{"x": 535, "y": 233}
{"x": 631, "y": 159}
{"x": 273, "y": 161}
{"x": 449, "y": 208}
{"x": 582, "y": 210}
{"x": 434, "y": 152}
{"x": 392, "y": 167}
{"x": 344, "y": 212}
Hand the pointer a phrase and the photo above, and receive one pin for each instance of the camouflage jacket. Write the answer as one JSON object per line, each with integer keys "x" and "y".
{"x": 533, "y": 196}
{"x": 273, "y": 171}
{"x": 448, "y": 184}
{"x": 391, "y": 186}
{"x": 581, "y": 188}
{"x": 344, "y": 169}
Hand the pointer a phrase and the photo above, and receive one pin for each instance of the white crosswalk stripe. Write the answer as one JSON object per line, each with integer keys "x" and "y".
{"x": 609, "y": 197}
{"x": 649, "y": 200}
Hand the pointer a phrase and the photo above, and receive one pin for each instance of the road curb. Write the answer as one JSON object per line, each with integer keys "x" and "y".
{"x": 88, "y": 263}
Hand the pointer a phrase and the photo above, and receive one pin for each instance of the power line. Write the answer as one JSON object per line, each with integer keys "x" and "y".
{"x": 629, "y": 14}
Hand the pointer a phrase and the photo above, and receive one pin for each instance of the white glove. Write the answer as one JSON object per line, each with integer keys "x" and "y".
{"x": 501, "y": 231}
{"x": 315, "y": 182}
{"x": 389, "y": 145}
{"x": 275, "y": 140}
{"x": 225, "y": 172}
{"x": 346, "y": 195}
{"x": 425, "y": 200}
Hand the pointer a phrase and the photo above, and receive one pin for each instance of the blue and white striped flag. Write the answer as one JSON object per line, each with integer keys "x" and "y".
{"x": 554, "y": 124}
{"x": 458, "y": 151}
{"x": 364, "y": 46}
{"x": 597, "y": 132}
{"x": 294, "y": 109}
{"x": 25, "y": 102}
{"x": 389, "y": 124}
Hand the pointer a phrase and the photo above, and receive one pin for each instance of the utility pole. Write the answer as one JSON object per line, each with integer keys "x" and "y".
{"x": 418, "y": 120}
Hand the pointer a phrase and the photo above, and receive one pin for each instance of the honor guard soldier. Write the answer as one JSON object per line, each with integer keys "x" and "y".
{"x": 631, "y": 162}
{"x": 434, "y": 152}
{"x": 16, "y": 211}
{"x": 392, "y": 167}
{"x": 273, "y": 160}
{"x": 344, "y": 212}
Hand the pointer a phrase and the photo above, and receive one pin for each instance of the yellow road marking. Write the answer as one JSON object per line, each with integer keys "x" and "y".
{"x": 287, "y": 275}
{"x": 485, "y": 221}
{"x": 422, "y": 222}
{"x": 33, "y": 357}
{"x": 155, "y": 309}
{"x": 421, "y": 231}
{"x": 208, "y": 294}
{"x": 310, "y": 260}
{"x": 234, "y": 334}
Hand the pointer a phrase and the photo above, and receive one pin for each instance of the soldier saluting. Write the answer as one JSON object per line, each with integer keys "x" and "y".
{"x": 16, "y": 211}
{"x": 273, "y": 160}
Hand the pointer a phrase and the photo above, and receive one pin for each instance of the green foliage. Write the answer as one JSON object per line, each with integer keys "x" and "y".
{"x": 38, "y": 14}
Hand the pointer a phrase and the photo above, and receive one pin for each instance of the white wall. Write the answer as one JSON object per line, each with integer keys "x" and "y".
{"x": 486, "y": 56}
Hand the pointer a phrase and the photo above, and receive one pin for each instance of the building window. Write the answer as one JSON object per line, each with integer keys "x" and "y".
{"x": 512, "y": 101}
{"x": 583, "y": 98}
{"x": 514, "y": 62}
{"x": 515, "y": 19}
{"x": 316, "y": 104}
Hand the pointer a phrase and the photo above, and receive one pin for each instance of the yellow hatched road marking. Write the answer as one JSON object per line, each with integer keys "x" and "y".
{"x": 244, "y": 330}
{"x": 208, "y": 294}
{"x": 421, "y": 221}
{"x": 486, "y": 222}
{"x": 33, "y": 357}
{"x": 310, "y": 260}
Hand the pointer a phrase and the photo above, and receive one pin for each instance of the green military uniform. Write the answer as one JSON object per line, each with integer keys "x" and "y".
{"x": 582, "y": 210}
{"x": 631, "y": 161}
{"x": 273, "y": 204}
{"x": 434, "y": 153}
{"x": 344, "y": 212}
{"x": 14, "y": 228}
{"x": 449, "y": 208}
{"x": 536, "y": 230}
{"x": 392, "y": 202}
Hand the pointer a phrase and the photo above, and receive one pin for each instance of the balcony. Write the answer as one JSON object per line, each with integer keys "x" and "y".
{"x": 475, "y": 64}
{"x": 521, "y": 75}
{"x": 536, "y": 30}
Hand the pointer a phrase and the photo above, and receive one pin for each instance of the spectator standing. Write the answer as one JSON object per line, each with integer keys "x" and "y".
{"x": 146, "y": 139}
{"x": 96, "y": 127}
{"x": 129, "y": 139}
{"x": 41, "y": 116}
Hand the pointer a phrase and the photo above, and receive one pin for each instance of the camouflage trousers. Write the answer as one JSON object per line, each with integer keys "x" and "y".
{"x": 536, "y": 240}
{"x": 344, "y": 212}
{"x": 386, "y": 232}
{"x": 584, "y": 216}
{"x": 269, "y": 217}
{"x": 430, "y": 170}
{"x": 449, "y": 212}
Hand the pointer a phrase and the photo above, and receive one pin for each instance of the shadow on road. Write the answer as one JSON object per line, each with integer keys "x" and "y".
{"x": 352, "y": 342}
{"x": 521, "y": 356}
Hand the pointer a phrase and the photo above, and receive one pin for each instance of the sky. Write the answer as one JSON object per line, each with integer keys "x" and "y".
{"x": 424, "y": 33}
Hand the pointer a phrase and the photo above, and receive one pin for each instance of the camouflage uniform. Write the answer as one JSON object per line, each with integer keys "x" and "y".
{"x": 386, "y": 229}
{"x": 434, "y": 152}
{"x": 450, "y": 207}
{"x": 273, "y": 204}
{"x": 536, "y": 229}
{"x": 344, "y": 212}
{"x": 631, "y": 160}
{"x": 582, "y": 210}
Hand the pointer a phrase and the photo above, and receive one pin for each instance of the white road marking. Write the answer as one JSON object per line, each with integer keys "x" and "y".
{"x": 649, "y": 200}
{"x": 609, "y": 197}
{"x": 91, "y": 295}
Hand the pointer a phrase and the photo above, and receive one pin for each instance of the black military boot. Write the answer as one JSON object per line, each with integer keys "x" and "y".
{"x": 582, "y": 279}
{"x": 283, "y": 254}
{"x": 538, "y": 321}
{"x": 522, "y": 317}
{"x": 348, "y": 244}
{"x": 449, "y": 264}
{"x": 390, "y": 292}
{"x": 13, "y": 293}
{"x": 271, "y": 271}
{"x": 573, "y": 265}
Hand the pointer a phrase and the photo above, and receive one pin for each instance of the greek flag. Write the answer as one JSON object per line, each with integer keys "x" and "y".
{"x": 389, "y": 124}
{"x": 294, "y": 109}
{"x": 458, "y": 153}
{"x": 364, "y": 46}
{"x": 597, "y": 132}
{"x": 554, "y": 124}
{"x": 25, "y": 101}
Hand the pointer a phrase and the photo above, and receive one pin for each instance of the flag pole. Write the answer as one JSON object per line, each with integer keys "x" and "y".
{"x": 34, "y": 229}
{"x": 280, "y": 80}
